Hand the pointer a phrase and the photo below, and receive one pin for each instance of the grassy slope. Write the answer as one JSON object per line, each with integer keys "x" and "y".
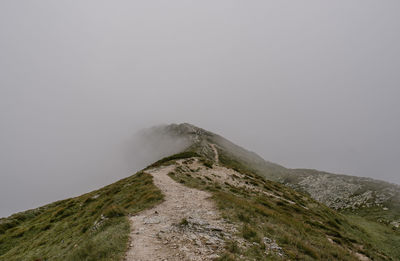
{"x": 93, "y": 226}
{"x": 302, "y": 232}
{"x": 381, "y": 236}
{"x": 67, "y": 230}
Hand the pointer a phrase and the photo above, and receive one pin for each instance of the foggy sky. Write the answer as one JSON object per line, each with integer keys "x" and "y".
{"x": 311, "y": 84}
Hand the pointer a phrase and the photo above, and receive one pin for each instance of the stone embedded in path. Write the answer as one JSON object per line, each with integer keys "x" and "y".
{"x": 152, "y": 220}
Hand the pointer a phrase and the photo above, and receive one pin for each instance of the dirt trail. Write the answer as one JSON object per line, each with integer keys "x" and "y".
{"x": 213, "y": 146}
{"x": 186, "y": 226}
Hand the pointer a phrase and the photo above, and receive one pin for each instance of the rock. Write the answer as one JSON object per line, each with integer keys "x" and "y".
{"x": 152, "y": 220}
{"x": 197, "y": 221}
{"x": 272, "y": 247}
{"x": 184, "y": 249}
{"x": 395, "y": 224}
{"x": 267, "y": 240}
{"x": 213, "y": 228}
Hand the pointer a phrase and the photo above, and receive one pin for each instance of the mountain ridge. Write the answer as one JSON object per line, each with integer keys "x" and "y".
{"x": 377, "y": 192}
{"x": 242, "y": 215}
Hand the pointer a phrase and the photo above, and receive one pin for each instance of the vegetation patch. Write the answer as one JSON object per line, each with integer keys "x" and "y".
{"x": 93, "y": 226}
{"x": 170, "y": 159}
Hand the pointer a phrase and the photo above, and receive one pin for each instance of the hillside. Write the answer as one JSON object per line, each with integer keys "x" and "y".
{"x": 273, "y": 221}
{"x": 213, "y": 201}
{"x": 340, "y": 192}
{"x": 89, "y": 227}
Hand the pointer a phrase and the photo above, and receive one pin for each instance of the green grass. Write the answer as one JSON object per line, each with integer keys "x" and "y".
{"x": 377, "y": 213}
{"x": 93, "y": 226}
{"x": 301, "y": 229}
{"x": 381, "y": 236}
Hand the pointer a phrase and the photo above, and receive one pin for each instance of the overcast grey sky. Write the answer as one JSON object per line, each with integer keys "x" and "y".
{"x": 312, "y": 84}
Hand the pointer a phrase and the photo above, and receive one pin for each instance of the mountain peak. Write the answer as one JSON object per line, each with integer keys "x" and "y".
{"x": 187, "y": 129}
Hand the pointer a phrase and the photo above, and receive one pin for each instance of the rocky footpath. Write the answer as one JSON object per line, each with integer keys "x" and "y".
{"x": 186, "y": 226}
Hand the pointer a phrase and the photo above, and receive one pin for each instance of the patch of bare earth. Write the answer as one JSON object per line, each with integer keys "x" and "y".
{"x": 186, "y": 226}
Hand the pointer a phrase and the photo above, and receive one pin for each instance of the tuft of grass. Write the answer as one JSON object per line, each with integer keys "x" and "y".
{"x": 114, "y": 211}
{"x": 249, "y": 233}
{"x": 184, "y": 222}
{"x": 207, "y": 163}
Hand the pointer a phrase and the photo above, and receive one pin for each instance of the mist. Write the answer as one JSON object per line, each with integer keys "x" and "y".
{"x": 303, "y": 84}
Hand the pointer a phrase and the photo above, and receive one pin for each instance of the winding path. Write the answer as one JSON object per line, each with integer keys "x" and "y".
{"x": 185, "y": 226}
